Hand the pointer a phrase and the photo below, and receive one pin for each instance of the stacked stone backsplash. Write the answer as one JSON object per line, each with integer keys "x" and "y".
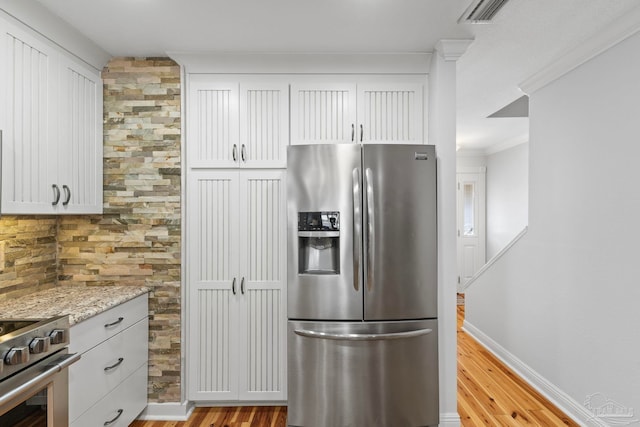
{"x": 27, "y": 254}
{"x": 137, "y": 240}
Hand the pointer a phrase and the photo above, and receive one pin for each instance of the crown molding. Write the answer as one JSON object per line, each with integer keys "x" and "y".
{"x": 452, "y": 50}
{"x": 570, "y": 59}
{"x": 303, "y": 63}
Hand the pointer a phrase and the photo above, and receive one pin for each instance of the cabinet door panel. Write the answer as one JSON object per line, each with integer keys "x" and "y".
{"x": 264, "y": 120}
{"x": 390, "y": 113}
{"x": 80, "y": 165}
{"x": 263, "y": 306}
{"x": 214, "y": 287}
{"x": 28, "y": 128}
{"x": 323, "y": 113}
{"x": 213, "y": 127}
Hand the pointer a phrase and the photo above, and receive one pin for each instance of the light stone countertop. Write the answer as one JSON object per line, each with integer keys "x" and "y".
{"x": 79, "y": 302}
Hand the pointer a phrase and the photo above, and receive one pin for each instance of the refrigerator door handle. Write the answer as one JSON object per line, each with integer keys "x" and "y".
{"x": 362, "y": 337}
{"x": 370, "y": 224}
{"x": 357, "y": 230}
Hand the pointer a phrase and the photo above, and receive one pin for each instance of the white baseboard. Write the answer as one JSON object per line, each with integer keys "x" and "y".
{"x": 449, "y": 419}
{"x": 173, "y": 411}
{"x": 559, "y": 398}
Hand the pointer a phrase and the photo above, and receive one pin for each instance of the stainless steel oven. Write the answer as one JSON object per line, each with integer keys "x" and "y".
{"x": 33, "y": 372}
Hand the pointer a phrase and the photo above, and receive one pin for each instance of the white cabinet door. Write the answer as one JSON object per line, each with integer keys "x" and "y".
{"x": 214, "y": 290}
{"x": 80, "y": 147}
{"x": 390, "y": 113}
{"x": 237, "y": 314}
{"x": 323, "y": 113}
{"x": 237, "y": 124}
{"x": 29, "y": 130}
{"x": 213, "y": 124}
{"x": 264, "y": 124}
{"x": 263, "y": 308}
{"x": 51, "y": 118}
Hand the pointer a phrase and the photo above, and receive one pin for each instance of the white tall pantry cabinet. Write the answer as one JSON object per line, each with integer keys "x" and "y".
{"x": 238, "y": 128}
{"x": 237, "y": 134}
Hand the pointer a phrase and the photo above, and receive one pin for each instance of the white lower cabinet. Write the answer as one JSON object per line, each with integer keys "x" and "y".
{"x": 108, "y": 385}
{"x": 237, "y": 302}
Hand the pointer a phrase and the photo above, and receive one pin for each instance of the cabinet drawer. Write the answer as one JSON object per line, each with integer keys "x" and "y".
{"x": 130, "y": 397}
{"x": 91, "y": 332}
{"x": 88, "y": 379}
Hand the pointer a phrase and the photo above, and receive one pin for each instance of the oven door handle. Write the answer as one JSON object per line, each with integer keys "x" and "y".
{"x": 42, "y": 378}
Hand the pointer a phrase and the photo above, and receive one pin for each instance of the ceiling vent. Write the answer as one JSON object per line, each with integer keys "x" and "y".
{"x": 481, "y": 11}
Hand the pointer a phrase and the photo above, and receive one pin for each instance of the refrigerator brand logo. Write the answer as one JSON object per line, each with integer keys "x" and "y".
{"x": 421, "y": 156}
{"x": 609, "y": 411}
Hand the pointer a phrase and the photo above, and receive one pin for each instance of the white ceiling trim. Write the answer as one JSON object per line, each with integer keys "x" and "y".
{"x": 572, "y": 58}
{"x": 39, "y": 19}
{"x": 501, "y": 146}
{"x": 300, "y": 63}
{"x": 452, "y": 50}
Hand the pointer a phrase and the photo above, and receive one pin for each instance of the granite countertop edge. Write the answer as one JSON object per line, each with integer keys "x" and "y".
{"x": 79, "y": 302}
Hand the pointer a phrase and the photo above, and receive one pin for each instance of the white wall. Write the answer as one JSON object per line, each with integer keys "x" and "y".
{"x": 562, "y": 305}
{"x": 507, "y": 196}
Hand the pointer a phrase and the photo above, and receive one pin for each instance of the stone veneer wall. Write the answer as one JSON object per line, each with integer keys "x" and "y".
{"x": 137, "y": 240}
{"x": 27, "y": 254}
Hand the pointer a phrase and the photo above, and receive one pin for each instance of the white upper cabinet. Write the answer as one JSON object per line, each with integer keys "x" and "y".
{"x": 51, "y": 122}
{"x": 323, "y": 113}
{"x": 390, "y": 113}
{"x": 237, "y": 123}
{"x": 380, "y": 110}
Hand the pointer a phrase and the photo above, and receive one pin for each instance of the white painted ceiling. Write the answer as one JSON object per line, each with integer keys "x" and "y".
{"x": 524, "y": 37}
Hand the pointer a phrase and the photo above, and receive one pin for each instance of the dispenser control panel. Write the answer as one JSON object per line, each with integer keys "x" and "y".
{"x": 318, "y": 221}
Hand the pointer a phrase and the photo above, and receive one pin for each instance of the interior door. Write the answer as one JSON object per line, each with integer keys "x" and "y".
{"x": 471, "y": 224}
{"x": 400, "y": 232}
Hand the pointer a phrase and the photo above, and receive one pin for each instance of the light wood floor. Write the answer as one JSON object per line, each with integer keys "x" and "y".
{"x": 489, "y": 394}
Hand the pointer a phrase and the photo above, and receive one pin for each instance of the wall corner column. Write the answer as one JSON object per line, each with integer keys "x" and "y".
{"x": 442, "y": 134}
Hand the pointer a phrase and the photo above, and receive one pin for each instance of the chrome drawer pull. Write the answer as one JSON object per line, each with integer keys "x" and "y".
{"x": 115, "y": 365}
{"x": 108, "y": 325}
{"x": 120, "y": 411}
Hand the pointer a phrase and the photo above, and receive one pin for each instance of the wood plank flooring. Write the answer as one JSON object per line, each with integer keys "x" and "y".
{"x": 489, "y": 394}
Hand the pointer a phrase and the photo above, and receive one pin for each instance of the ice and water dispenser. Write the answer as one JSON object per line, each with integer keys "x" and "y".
{"x": 319, "y": 242}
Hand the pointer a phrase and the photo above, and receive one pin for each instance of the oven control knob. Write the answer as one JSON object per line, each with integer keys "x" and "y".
{"x": 58, "y": 336}
{"x": 39, "y": 345}
{"x": 17, "y": 356}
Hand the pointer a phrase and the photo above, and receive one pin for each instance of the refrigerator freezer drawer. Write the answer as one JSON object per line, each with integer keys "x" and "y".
{"x": 363, "y": 374}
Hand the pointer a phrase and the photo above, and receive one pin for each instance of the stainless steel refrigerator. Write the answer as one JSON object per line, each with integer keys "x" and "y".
{"x": 362, "y": 286}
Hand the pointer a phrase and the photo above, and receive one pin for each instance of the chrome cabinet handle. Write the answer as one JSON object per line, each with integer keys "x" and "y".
{"x": 67, "y": 193}
{"x": 234, "y": 153}
{"x": 243, "y": 153}
{"x": 361, "y": 133}
{"x": 353, "y": 131}
{"x": 362, "y": 337}
{"x": 56, "y": 192}
{"x": 120, "y": 411}
{"x": 115, "y": 365}
{"x": 242, "y": 286}
{"x": 108, "y": 325}
{"x": 233, "y": 286}
{"x": 370, "y": 229}
{"x": 357, "y": 230}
